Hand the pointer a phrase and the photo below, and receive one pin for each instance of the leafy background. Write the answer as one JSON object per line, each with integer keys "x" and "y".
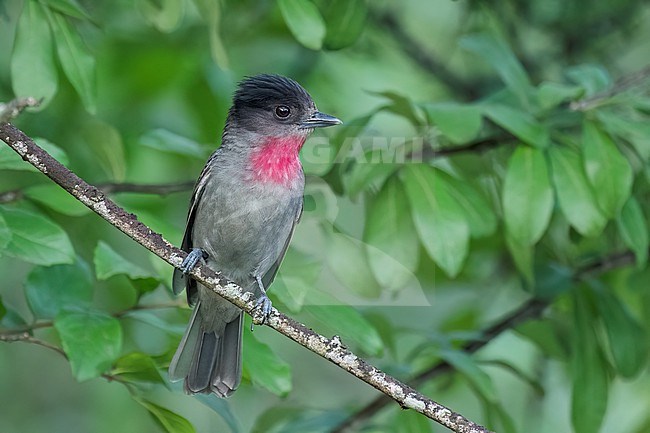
{"x": 493, "y": 168}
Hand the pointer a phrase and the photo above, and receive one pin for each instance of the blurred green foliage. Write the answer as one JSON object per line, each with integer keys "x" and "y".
{"x": 492, "y": 153}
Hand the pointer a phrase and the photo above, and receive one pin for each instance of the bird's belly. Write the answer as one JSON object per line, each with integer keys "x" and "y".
{"x": 245, "y": 235}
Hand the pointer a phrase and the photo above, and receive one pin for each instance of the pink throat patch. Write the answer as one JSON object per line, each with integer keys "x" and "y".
{"x": 277, "y": 160}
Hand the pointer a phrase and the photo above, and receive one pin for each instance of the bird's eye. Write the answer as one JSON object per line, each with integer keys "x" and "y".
{"x": 282, "y": 111}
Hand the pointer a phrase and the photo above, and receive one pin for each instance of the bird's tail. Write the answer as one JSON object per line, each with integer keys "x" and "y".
{"x": 209, "y": 362}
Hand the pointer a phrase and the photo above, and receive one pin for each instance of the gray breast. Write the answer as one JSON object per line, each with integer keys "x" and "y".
{"x": 243, "y": 226}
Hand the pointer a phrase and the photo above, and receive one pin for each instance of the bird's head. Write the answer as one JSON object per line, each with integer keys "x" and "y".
{"x": 276, "y": 106}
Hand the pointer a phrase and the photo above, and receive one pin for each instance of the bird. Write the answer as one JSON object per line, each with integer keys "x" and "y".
{"x": 242, "y": 214}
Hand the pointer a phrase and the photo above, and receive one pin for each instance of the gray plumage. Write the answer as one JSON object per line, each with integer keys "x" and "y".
{"x": 243, "y": 210}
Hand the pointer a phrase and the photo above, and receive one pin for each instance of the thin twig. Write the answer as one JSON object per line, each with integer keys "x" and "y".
{"x": 113, "y": 188}
{"x": 475, "y": 146}
{"x": 622, "y": 85}
{"x": 160, "y": 189}
{"x": 28, "y": 338}
{"x": 421, "y": 56}
{"x": 49, "y": 323}
{"x": 11, "y": 110}
{"x": 330, "y": 349}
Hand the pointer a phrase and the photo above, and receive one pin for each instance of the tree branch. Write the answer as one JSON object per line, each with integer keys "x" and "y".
{"x": 12, "y": 109}
{"x": 529, "y": 310}
{"x": 330, "y": 349}
{"x": 420, "y": 55}
{"x": 160, "y": 189}
{"x": 622, "y": 85}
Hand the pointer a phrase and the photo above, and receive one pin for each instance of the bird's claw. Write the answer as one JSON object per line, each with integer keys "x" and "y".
{"x": 264, "y": 305}
{"x": 192, "y": 259}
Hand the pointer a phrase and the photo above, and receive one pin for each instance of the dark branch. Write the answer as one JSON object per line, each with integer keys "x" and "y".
{"x": 330, "y": 349}
{"x": 622, "y": 85}
{"x": 112, "y": 188}
{"x": 160, "y": 189}
{"x": 421, "y": 55}
{"x": 475, "y": 146}
{"x": 529, "y": 310}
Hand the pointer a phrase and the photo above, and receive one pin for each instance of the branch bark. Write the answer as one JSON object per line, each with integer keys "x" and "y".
{"x": 330, "y": 349}
{"x": 527, "y": 311}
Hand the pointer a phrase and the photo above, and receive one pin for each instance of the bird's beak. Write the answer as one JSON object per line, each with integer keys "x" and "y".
{"x": 319, "y": 120}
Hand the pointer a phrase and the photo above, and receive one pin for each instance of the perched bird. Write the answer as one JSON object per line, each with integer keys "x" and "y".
{"x": 242, "y": 214}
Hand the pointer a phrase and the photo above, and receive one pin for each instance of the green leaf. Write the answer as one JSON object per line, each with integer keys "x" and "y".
{"x": 465, "y": 365}
{"x": 91, "y": 340}
{"x": 545, "y": 336}
{"x": 575, "y": 196}
{"x": 410, "y": 421}
{"x": 56, "y": 198}
{"x": 33, "y": 72}
{"x": 265, "y": 368}
{"x": 5, "y": 233}
{"x": 523, "y": 255}
{"x": 402, "y": 106}
{"x": 478, "y": 212}
{"x": 169, "y": 421}
{"x": 298, "y": 274}
{"x": 210, "y": 11}
{"x": 68, "y": 7}
{"x": 628, "y": 341}
{"x": 521, "y": 124}
{"x": 296, "y": 419}
{"x": 516, "y": 371}
{"x": 76, "y": 61}
{"x": 459, "y": 123}
{"x": 438, "y": 218}
{"x": 634, "y": 130}
{"x": 165, "y": 15}
{"x": 550, "y": 95}
{"x": 3, "y": 310}
{"x": 633, "y": 228}
{"x": 344, "y": 21}
{"x": 392, "y": 241}
{"x": 10, "y": 160}
{"x": 590, "y": 375}
{"x": 167, "y": 141}
{"x": 552, "y": 281}
{"x": 221, "y": 407}
{"x": 350, "y": 324}
{"x": 498, "y": 54}
{"x": 49, "y": 290}
{"x": 137, "y": 367}
{"x": 151, "y": 319}
{"x": 304, "y": 21}
{"x": 593, "y": 79}
{"x": 342, "y": 142}
{"x": 367, "y": 173}
{"x": 106, "y": 143}
{"x": 35, "y": 238}
{"x": 608, "y": 171}
{"x": 12, "y": 319}
{"x": 348, "y": 263}
{"x": 108, "y": 263}
{"x": 527, "y": 196}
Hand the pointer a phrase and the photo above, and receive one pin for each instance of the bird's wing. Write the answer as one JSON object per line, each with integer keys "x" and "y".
{"x": 268, "y": 277}
{"x": 180, "y": 281}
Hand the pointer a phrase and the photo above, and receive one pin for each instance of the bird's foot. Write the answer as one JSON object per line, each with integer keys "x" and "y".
{"x": 192, "y": 259}
{"x": 264, "y": 306}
